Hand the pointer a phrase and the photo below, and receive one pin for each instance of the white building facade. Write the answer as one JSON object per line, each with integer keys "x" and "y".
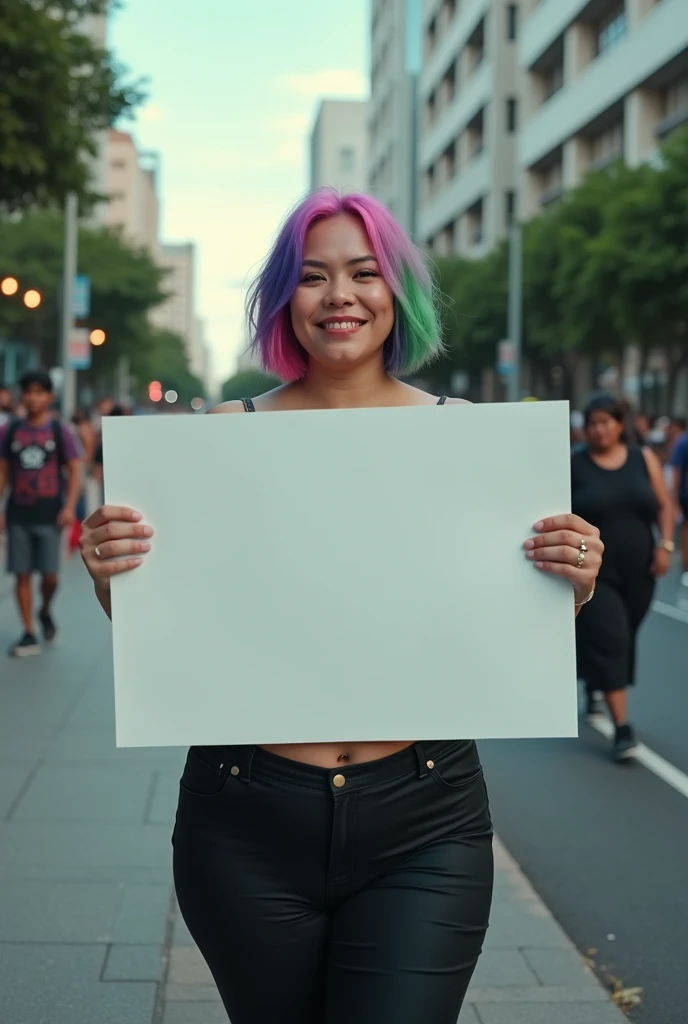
{"x": 131, "y": 185}
{"x": 339, "y": 146}
{"x": 177, "y": 312}
{"x": 469, "y": 115}
{"x": 396, "y": 52}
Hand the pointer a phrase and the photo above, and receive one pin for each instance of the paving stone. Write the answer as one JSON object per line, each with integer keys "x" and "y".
{"x": 549, "y": 1013}
{"x": 181, "y": 934}
{"x": 59, "y": 793}
{"x": 53, "y": 984}
{"x": 58, "y": 912}
{"x": 540, "y": 994}
{"x": 142, "y": 914}
{"x": 194, "y": 1013}
{"x": 559, "y": 967}
{"x": 97, "y": 746}
{"x": 518, "y": 923}
{"x": 468, "y": 1015}
{"x": 133, "y": 963}
{"x": 163, "y": 805}
{"x": 13, "y": 775}
{"x": 78, "y": 844}
{"x": 191, "y": 994}
{"x": 502, "y": 967}
{"x": 187, "y": 967}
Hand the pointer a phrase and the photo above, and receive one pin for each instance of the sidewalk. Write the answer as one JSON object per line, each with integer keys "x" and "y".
{"x": 89, "y": 932}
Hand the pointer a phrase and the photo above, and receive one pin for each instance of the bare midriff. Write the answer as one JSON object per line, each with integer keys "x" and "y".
{"x": 336, "y": 755}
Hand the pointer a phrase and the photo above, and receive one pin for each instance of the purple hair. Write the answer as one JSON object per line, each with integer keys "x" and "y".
{"x": 415, "y": 336}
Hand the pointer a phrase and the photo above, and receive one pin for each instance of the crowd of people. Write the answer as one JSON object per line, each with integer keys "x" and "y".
{"x": 48, "y": 467}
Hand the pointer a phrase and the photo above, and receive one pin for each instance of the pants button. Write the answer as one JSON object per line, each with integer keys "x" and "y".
{"x": 338, "y": 781}
{"x": 430, "y": 764}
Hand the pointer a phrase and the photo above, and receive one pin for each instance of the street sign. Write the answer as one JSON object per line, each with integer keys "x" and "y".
{"x": 81, "y": 297}
{"x": 79, "y": 349}
{"x": 506, "y": 356}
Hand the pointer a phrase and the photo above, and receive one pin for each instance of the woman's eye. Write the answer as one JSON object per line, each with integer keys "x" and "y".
{"x": 310, "y": 278}
{"x": 366, "y": 273}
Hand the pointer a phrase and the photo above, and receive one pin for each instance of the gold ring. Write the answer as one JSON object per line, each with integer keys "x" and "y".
{"x": 98, "y": 554}
{"x": 581, "y": 558}
{"x": 583, "y": 545}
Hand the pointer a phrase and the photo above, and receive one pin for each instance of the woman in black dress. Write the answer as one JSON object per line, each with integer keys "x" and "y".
{"x": 619, "y": 488}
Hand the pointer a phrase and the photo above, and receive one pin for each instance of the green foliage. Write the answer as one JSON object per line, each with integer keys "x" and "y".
{"x": 125, "y": 286}
{"x": 605, "y": 267}
{"x": 247, "y": 384}
{"x": 58, "y": 89}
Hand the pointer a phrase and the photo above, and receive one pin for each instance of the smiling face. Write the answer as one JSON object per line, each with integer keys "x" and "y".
{"x": 342, "y": 311}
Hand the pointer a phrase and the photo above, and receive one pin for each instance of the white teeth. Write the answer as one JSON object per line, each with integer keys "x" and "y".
{"x": 349, "y": 325}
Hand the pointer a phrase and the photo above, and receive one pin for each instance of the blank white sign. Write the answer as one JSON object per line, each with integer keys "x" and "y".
{"x": 342, "y": 575}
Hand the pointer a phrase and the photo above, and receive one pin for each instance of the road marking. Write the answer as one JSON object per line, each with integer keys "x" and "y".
{"x": 663, "y": 769}
{"x": 670, "y": 611}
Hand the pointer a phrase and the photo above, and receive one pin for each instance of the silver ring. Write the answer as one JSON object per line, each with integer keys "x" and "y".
{"x": 98, "y": 554}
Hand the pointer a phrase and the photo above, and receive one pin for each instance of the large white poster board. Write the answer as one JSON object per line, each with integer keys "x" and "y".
{"x": 342, "y": 575}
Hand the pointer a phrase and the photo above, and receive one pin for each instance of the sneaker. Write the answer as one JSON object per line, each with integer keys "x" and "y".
{"x": 25, "y": 647}
{"x": 47, "y": 625}
{"x": 625, "y": 743}
{"x": 595, "y": 706}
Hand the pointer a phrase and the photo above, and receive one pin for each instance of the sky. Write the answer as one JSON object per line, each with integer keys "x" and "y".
{"x": 233, "y": 88}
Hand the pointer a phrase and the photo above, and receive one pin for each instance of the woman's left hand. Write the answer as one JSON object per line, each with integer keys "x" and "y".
{"x": 661, "y": 562}
{"x": 568, "y": 546}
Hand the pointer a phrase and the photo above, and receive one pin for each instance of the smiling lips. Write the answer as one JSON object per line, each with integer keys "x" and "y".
{"x": 341, "y": 325}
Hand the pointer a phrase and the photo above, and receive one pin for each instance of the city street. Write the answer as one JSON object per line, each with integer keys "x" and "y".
{"x": 88, "y": 927}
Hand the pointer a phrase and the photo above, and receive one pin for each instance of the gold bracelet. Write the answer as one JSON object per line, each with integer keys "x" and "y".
{"x": 579, "y": 604}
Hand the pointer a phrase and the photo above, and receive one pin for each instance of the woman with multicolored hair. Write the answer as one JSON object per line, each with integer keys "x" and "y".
{"x": 338, "y": 882}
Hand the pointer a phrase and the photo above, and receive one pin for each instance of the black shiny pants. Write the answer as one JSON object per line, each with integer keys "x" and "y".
{"x": 351, "y": 896}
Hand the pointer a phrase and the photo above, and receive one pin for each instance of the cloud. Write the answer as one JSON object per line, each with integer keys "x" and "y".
{"x": 328, "y": 82}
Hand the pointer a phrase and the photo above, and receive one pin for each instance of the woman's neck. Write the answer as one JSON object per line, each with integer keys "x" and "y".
{"x": 365, "y": 386}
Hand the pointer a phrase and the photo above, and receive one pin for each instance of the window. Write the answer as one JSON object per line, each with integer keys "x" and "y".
{"x": 118, "y": 165}
{"x": 553, "y": 80}
{"x": 676, "y": 97}
{"x": 449, "y": 159}
{"x": 612, "y": 29}
{"x": 511, "y": 21}
{"x": 509, "y": 206}
{"x": 511, "y": 114}
{"x": 430, "y": 37}
{"x": 607, "y": 145}
{"x": 347, "y": 159}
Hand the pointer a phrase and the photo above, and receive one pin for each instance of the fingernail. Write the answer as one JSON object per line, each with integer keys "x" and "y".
{"x": 136, "y": 516}
{"x": 529, "y": 544}
{"x": 137, "y": 561}
{"x": 539, "y": 526}
{"x": 148, "y": 531}
{"x": 144, "y": 547}
{"x": 539, "y": 565}
{"x": 530, "y": 554}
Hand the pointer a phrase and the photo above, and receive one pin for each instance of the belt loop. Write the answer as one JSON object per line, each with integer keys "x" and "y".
{"x": 422, "y": 761}
{"x": 246, "y": 763}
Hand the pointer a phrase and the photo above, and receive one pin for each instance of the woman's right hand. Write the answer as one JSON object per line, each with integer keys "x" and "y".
{"x": 113, "y": 541}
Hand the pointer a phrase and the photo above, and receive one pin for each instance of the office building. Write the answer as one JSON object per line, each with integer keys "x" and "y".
{"x": 468, "y": 119}
{"x": 176, "y": 313}
{"x": 601, "y": 81}
{"x": 396, "y": 51}
{"x": 131, "y": 186}
{"x": 339, "y": 146}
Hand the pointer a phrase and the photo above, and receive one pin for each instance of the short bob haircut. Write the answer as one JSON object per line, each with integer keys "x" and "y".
{"x": 607, "y": 404}
{"x": 415, "y": 338}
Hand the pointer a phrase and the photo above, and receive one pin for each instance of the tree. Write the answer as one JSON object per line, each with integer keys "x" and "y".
{"x": 168, "y": 362}
{"x": 247, "y": 384}
{"x": 125, "y": 286}
{"x": 58, "y": 89}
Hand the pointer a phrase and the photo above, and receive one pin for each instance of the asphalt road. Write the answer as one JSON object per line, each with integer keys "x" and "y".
{"x": 606, "y": 846}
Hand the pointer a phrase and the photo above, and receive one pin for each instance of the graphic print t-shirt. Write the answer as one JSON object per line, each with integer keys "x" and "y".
{"x": 36, "y": 476}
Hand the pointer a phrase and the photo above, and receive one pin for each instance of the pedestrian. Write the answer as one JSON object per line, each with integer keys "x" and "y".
{"x": 84, "y": 430}
{"x": 620, "y": 488}
{"x": 35, "y": 455}
{"x": 6, "y": 406}
{"x": 678, "y": 459}
{"x": 330, "y": 883}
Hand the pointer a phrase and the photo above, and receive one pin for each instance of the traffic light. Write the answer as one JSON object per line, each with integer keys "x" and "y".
{"x": 155, "y": 391}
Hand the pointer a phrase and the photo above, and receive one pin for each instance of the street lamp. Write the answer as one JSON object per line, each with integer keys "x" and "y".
{"x": 97, "y": 337}
{"x": 9, "y": 286}
{"x": 32, "y": 299}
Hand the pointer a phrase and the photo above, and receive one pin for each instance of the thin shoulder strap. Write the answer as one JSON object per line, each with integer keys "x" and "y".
{"x": 248, "y": 404}
{"x": 442, "y": 400}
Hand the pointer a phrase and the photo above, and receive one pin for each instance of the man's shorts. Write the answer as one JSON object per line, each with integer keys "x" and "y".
{"x": 33, "y": 547}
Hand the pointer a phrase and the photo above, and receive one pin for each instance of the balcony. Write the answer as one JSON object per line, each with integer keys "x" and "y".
{"x": 606, "y": 81}
{"x": 453, "y": 119}
{"x": 462, "y": 192}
